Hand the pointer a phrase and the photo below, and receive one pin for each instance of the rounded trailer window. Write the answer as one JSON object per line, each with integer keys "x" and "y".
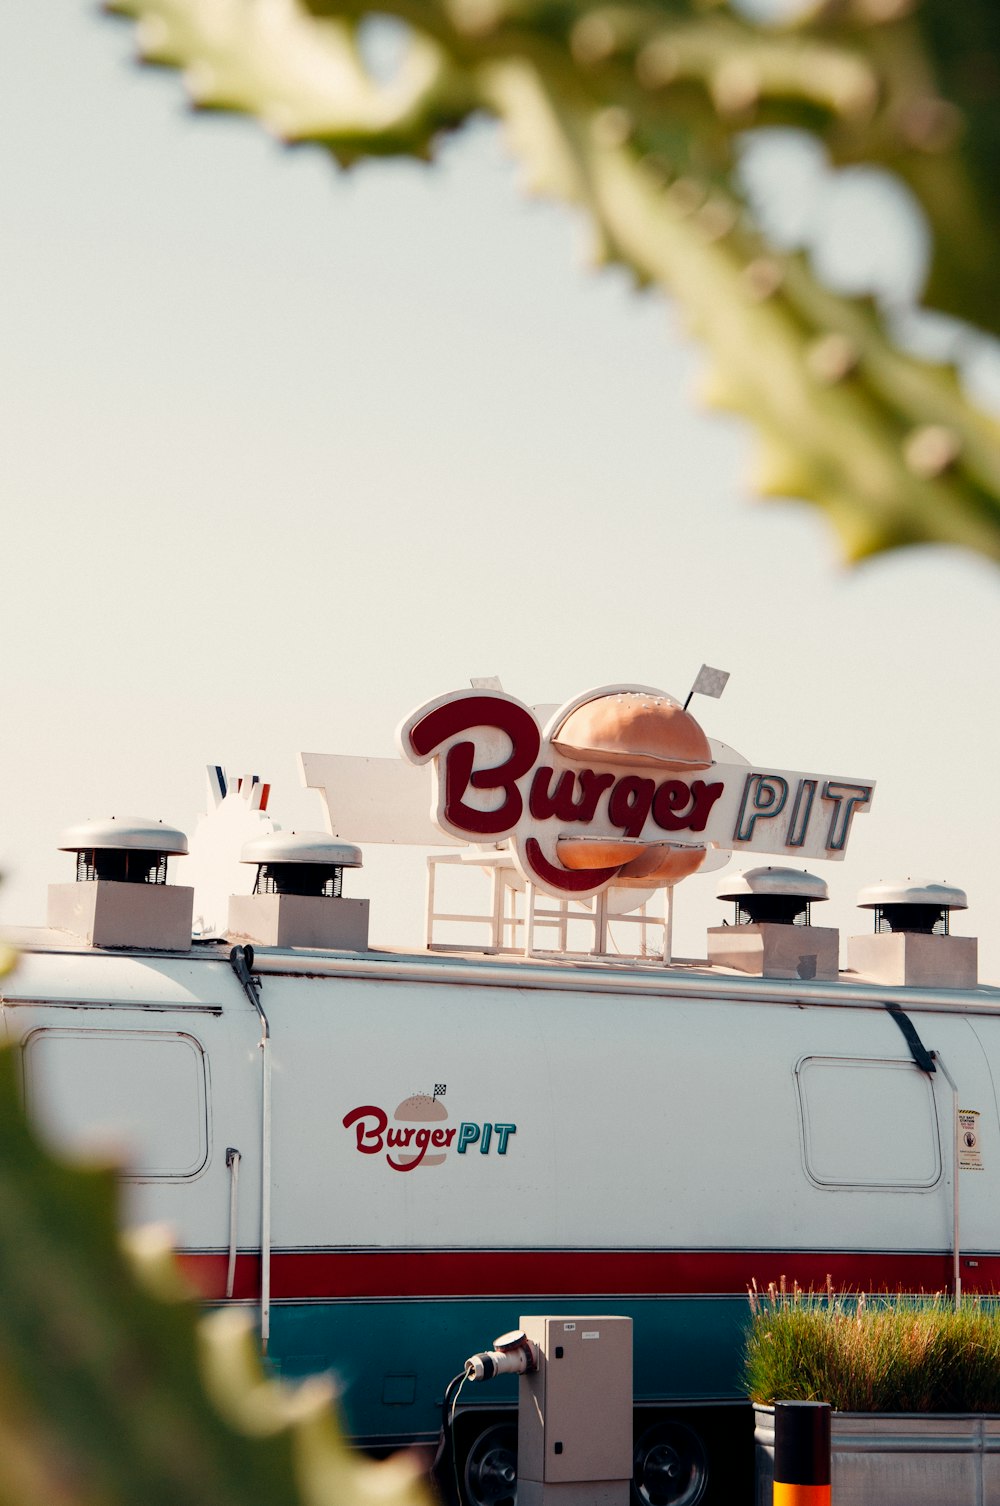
{"x": 868, "y": 1123}
{"x": 136, "y": 1095}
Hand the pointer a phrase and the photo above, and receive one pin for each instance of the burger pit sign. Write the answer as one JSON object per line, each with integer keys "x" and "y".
{"x": 417, "y": 1133}
{"x": 620, "y": 786}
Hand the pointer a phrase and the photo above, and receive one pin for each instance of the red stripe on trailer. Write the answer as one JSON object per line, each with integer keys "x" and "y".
{"x": 331, "y": 1275}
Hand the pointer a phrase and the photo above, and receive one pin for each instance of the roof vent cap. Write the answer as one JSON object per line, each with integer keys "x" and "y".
{"x": 914, "y": 907}
{"x": 300, "y": 862}
{"x": 124, "y": 849}
{"x": 781, "y": 896}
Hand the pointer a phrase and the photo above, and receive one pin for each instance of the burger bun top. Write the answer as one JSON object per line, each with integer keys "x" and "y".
{"x": 634, "y": 727}
{"x": 421, "y": 1106}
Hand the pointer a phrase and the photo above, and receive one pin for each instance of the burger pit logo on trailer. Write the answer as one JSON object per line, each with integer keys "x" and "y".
{"x": 409, "y": 1140}
{"x": 621, "y": 786}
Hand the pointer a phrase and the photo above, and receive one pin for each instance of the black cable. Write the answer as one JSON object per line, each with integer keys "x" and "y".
{"x": 923, "y": 1058}
{"x": 446, "y": 1422}
{"x": 454, "y": 1450}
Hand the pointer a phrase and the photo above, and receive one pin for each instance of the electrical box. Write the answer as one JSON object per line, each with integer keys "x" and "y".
{"x": 574, "y": 1427}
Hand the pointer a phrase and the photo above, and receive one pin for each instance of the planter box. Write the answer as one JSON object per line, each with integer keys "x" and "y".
{"x": 900, "y": 1458}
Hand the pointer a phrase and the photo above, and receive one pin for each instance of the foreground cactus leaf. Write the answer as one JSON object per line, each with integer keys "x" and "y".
{"x": 113, "y": 1391}
{"x": 634, "y": 111}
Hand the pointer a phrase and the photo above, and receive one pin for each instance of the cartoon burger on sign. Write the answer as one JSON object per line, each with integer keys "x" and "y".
{"x": 639, "y": 729}
{"x": 420, "y": 1109}
{"x": 617, "y": 790}
{"x": 636, "y": 727}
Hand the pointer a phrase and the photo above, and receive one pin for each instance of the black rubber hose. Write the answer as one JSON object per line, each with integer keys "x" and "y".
{"x": 445, "y": 1432}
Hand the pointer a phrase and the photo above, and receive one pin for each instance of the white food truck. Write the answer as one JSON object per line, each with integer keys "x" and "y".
{"x": 389, "y": 1158}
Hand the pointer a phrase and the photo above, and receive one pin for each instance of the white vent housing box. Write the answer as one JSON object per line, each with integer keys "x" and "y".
{"x": 912, "y": 944}
{"x": 121, "y": 897}
{"x": 297, "y": 898}
{"x": 772, "y": 936}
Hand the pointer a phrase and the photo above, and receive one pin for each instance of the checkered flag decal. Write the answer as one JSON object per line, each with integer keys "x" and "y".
{"x": 440, "y": 1089}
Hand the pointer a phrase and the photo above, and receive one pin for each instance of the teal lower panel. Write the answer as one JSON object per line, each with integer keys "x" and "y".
{"x": 393, "y": 1360}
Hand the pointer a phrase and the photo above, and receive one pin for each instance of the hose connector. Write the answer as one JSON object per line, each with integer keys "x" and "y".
{"x": 512, "y": 1354}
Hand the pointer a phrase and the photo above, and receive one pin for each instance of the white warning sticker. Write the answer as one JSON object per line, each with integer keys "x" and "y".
{"x": 970, "y": 1156}
{"x": 569, "y": 1328}
{"x": 594, "y": 1333}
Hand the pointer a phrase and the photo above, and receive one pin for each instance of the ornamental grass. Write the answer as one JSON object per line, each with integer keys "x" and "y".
{"x": 873, "y": 1354}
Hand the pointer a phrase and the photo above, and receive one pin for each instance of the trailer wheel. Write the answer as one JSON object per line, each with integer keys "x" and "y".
{"x": 491, "y": 1467}
{"x": 670, "y": 1466}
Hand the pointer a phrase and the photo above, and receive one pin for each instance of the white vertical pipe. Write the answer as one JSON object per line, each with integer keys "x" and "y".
{"x": 265, "y": 1187}
{"x": 431, "y": 869}
{"x": 497, "y": 932}
{"x": 233, "y": 1162}
{"x": 601, "y": 923}
{"x": 241, "y": 959}
{"x": 955, "y": 1239}
{"x": 529, "y": 919}
{"x": 668, "y": 923}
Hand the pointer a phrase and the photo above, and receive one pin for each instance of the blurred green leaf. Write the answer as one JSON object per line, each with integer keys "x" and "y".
{"x": 634, "y": 111}
{"x": 113, "y": 1391}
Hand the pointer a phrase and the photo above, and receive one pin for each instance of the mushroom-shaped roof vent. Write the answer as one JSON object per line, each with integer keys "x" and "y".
{"x": 123, "y": 834}
{"x": 906, "y": 892}
{"x": 301, "y": 847}
{"x": 790, "y": 883}
{"x": 300, "y": 862}
{"x": 780, "y": 896}
{"x": 919, "y": 908}
{"x": 122, "y": 849}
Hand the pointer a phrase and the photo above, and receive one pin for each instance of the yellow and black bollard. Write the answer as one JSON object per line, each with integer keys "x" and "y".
{"x": 801, "y": 1453}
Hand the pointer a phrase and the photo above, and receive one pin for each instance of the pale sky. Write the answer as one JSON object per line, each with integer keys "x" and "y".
{"x": 286, "y": 453}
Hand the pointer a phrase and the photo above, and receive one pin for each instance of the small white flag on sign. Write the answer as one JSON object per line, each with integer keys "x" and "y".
{"x": 486, "y": 682}
{"x": 710, "y": 681}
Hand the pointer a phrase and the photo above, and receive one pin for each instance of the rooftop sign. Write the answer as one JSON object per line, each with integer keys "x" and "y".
{"x": 621, "y": 786}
